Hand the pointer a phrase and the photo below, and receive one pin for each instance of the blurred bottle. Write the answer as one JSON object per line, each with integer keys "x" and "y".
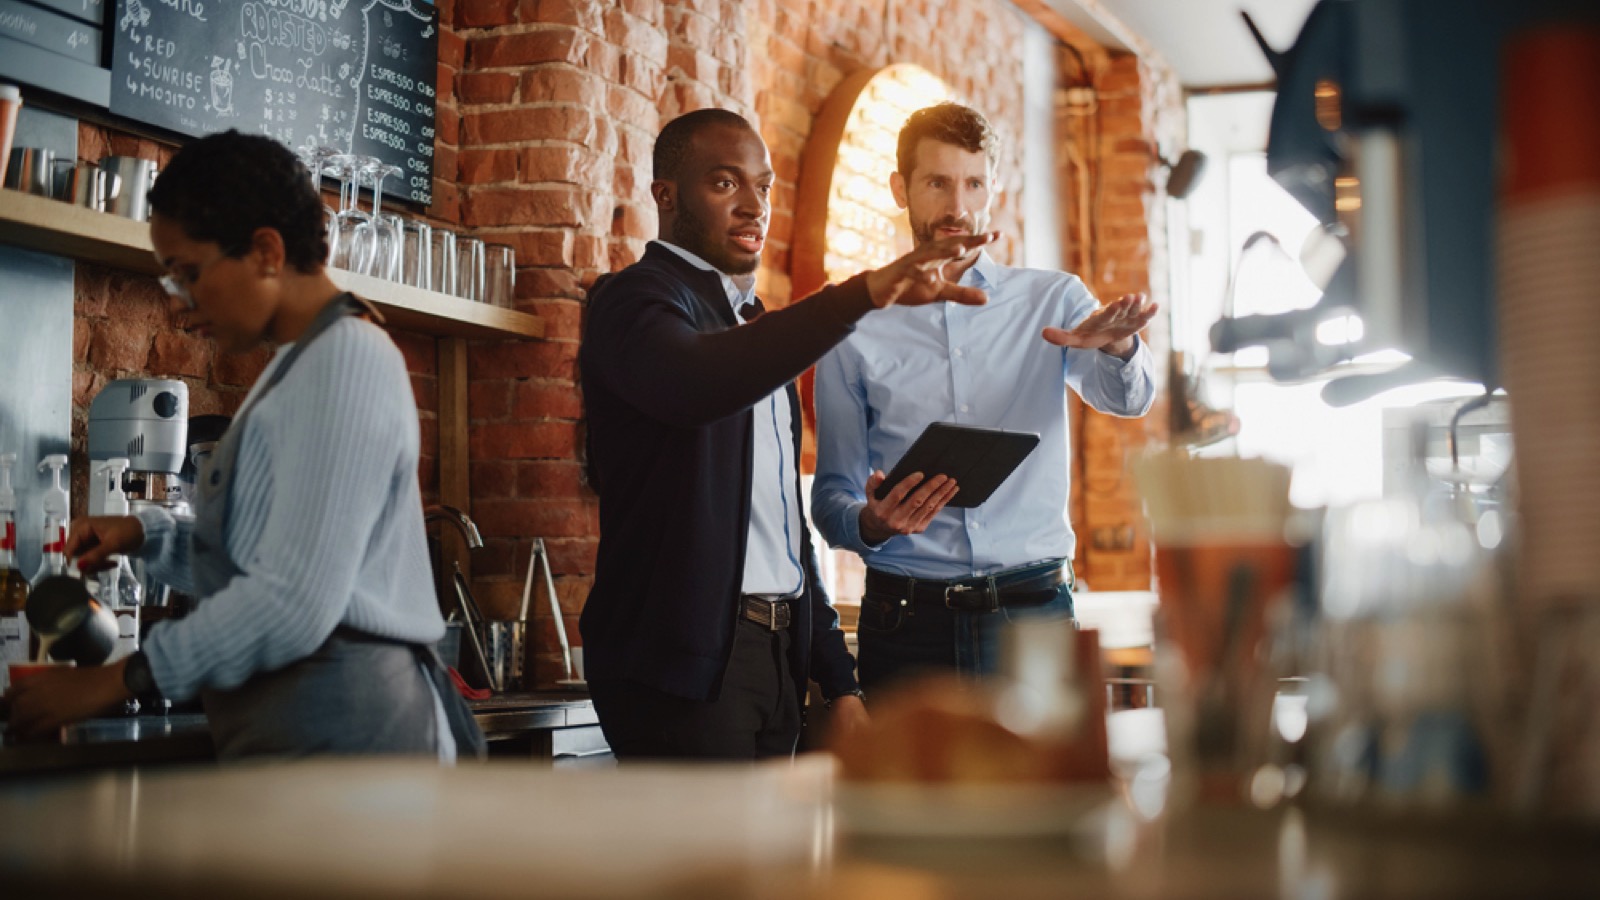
{"x": 57, "y": 503}
{"x": 1405, "y": 688}
{"x": 13, "y": 586}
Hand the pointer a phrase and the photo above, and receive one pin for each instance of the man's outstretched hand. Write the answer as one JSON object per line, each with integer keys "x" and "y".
{"x": 1110, "y": 328}
{"x": 918, "y": 278}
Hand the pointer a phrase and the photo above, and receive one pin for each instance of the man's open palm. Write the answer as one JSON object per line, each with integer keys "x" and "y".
{"x": 1111, "y": 327}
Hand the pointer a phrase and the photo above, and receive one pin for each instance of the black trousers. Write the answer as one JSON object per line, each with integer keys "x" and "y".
{"x": 757, "y": 715}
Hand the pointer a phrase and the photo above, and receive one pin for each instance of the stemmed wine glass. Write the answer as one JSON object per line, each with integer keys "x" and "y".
{"x": 347, "y": 248}
{"x": 387, "y": 244}
{"x": 315, "y": 158}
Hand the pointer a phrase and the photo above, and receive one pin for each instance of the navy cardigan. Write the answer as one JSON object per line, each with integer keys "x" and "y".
{"x": 669, "y": 383}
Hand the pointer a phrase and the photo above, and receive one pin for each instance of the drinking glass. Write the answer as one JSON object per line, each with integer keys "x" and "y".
{"x": 386, "y": 249}
{"x": 442, "y": 259}
{"x": 470, "y": 269}
{"x": 315, "y": 158}
{"x": 500, "y": 275}
{"x": 416, "y": 255}
{"x": 347, "y": 248}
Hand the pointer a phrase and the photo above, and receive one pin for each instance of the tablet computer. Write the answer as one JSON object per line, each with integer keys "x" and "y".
{"x": 979, "y": 459}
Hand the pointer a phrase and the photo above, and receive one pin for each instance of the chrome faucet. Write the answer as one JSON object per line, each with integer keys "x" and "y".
{"x": 462, "y": 522}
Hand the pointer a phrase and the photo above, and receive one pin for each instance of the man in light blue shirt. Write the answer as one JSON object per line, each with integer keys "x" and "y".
{"x": 941, "y": 580}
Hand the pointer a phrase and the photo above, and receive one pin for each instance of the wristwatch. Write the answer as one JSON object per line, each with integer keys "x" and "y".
{"x": 137, "y": 678}
{"x": 828, "y": 703}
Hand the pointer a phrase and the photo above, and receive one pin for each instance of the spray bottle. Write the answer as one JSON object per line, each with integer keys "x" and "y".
{"x": 118, "y": 588}
{"x": 13, "y": 587}
{"x": 57, "y": 504}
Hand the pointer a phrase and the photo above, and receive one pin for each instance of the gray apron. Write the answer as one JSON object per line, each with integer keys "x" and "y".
{"x": 357, "y": 693}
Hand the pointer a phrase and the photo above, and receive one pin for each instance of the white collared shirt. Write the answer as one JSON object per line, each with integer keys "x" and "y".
{"x": 772, "y": 555}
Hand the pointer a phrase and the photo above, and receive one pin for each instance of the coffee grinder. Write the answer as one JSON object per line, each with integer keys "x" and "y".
{"x": 145, "y": 421}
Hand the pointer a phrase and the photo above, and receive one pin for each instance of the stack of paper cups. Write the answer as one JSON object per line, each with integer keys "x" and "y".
{"x": 1549, "y": 311}
{"x": 1549, "y": 304}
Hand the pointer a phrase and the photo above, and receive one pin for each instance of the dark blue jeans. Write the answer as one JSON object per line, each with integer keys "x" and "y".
{"x": 897, "y": 638}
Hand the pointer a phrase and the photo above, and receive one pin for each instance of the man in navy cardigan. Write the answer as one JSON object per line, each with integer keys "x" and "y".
{"x": 707, "y": 618}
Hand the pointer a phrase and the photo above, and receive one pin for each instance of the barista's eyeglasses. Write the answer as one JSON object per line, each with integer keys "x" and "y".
{"x": 180, "y": 288}
{"x": 172, "y": 287}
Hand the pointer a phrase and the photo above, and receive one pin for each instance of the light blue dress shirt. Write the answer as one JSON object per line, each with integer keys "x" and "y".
{"x": 772, "y": 555}
{"x": 986, "y": 366}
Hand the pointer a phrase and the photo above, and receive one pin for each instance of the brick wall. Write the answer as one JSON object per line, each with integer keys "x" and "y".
{"x": 1122, "y": 250}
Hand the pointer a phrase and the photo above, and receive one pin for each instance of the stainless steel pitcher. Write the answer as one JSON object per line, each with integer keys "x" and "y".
{"x": 137, "y": 176}
{"x": 90, "y": 186}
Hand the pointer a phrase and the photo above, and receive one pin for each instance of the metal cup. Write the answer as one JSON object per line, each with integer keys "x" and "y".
{"x": 80, "y": 628}
{"x": 136, "y": 177}
{"x": 32, "y": 171}
{"x": 90, "y": 186}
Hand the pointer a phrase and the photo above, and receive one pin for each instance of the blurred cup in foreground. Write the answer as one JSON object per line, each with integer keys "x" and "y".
{"x": 1222, "y": 561}
{"x": 10, "y": 105}
{"x": 17, "y": 672}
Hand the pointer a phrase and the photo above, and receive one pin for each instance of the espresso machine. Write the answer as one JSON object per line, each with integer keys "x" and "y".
{"x": 145, "y": 421}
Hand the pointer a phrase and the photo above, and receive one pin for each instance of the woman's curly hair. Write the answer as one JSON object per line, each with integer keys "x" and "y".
{"x": 223, "y": 187}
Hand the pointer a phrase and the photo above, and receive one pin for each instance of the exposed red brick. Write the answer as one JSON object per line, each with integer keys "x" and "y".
{"x": 544, "y": 400}
{"x": 180, "y": 353}
{"x": 493, "y": 478}
{"x": 554, "y": 44}
{"x": 632, "y": 220}
{"x": 588, "y": 15}
{"x": 84, "y": 387}
{"x": 120, "y": 346}
{"x": 650, "y": 11}
{"x": 486, "y": 13}
{"x": 486, "y": 87}
{"x": 544, "y": 518}
{"x": 547, "y": 206}
{"x": 564, "y": 163}
{"x": 535, "y": 123}
{"x": 642, "y": 38}
{"x": 631, "y": 106}
{"x": 487, "y": 166}
{"x": 641, "y": 74}
{"x": 525, "y": 440}
{"x": 239, "y": 369}
{"x": 533, "y": 284}
{"x": 544, "y": 359}
{"x": 425, "y": 389}
{"x": 452, "y": 48}
{"x": 563, "y": 84}
{"x": 551, "y": 480}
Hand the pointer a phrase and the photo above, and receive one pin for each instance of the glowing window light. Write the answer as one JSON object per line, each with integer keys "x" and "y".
{"x": 865, "y": 229}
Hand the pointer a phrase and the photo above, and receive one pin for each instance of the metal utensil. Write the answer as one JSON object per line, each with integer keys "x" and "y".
{"x": 473, "y": 619}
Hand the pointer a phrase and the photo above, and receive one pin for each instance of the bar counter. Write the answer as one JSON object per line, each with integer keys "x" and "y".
{"x": 513, "y": 723}
{"x": 366, "y": 828}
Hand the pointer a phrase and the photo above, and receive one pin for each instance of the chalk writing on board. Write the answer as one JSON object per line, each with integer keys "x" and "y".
{"x": 356, "y": 75}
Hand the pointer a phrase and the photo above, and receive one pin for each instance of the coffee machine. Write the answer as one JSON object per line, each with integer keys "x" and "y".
{"x": 145, "y": 421}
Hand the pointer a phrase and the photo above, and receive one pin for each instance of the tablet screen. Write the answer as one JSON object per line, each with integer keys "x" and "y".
{"x": 979, "y": 459}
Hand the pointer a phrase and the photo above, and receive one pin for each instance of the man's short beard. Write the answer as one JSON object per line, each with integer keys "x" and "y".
{"x": 923, "y": 234}
{"x": 689, "y": 232}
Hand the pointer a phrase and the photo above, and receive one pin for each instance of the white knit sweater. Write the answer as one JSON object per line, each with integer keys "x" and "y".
{"x": 325, "y": 522}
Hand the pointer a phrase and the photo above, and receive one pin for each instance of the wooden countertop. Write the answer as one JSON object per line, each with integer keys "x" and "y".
{"x": 365, "y": 828}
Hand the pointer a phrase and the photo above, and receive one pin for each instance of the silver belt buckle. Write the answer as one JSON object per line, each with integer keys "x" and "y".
{"x": 955, "y": 589}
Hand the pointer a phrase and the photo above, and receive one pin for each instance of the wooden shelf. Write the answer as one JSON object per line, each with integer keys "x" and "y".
{"x": 51, "y": 226}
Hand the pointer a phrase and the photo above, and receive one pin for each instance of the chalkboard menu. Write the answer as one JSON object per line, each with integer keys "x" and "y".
{"x": 356, "y": 75}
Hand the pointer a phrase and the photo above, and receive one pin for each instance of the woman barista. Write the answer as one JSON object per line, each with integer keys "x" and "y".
{"x": 307, "y": 548}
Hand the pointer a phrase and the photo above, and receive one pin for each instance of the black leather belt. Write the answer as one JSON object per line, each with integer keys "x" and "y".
{"x": 1023, "y": 586}
{"x": 772, "y": 615}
